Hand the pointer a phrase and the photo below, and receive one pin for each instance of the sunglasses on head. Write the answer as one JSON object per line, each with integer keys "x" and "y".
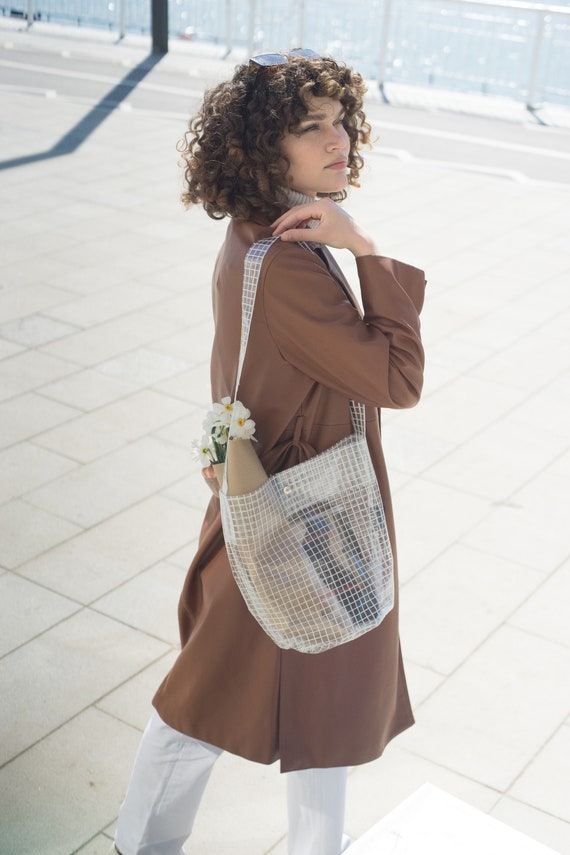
{"x": 268, "y": 63}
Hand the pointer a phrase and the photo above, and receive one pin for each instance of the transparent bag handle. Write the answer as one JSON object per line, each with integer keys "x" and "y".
{"x": 252, "y": 270}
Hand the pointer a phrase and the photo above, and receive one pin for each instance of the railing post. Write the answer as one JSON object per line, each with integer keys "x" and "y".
{"x": 122, "y": 13}
{"x": 531, "y": 94}
{"x": 251, "y": 28}
{"x": 228, "y": 28}
{"x": 383, "y": 61}
{"x": 30, "y": 14}
{"x": 159, "y": 26}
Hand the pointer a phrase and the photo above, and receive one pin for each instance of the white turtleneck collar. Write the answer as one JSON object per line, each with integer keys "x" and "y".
{"x": 293, "y": 197}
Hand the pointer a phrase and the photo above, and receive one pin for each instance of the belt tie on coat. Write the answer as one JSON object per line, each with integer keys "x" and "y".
{"x": 290, "y": 452}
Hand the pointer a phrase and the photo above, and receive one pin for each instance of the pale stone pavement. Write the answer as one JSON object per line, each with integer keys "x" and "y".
{"x": 104, "y": 342}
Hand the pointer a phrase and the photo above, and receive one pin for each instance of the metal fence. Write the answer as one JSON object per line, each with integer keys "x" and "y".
{"x": 515, "y": 49}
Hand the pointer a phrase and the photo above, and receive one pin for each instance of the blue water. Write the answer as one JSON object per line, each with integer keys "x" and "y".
{"x": 463, "y": 47}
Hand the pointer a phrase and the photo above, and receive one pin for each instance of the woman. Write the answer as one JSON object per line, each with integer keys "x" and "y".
{"x": 274, "y": 149}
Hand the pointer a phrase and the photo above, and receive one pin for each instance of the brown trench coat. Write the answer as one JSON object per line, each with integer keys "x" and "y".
{"x": 309, "y": 353}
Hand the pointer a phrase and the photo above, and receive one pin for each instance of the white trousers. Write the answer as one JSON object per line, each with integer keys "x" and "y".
{"x": 169, "y": 778}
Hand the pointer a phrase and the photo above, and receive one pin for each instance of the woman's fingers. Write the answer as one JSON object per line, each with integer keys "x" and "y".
{"x": 325, "y": 222}
{"x": 301, "y": 215}
{"x": 293, "y": 220}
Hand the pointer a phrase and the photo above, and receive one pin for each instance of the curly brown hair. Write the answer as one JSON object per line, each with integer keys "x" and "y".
{"x": 231, "y": 154}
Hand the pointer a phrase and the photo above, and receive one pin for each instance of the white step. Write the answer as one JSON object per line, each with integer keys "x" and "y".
{"x": 432, "y": 822}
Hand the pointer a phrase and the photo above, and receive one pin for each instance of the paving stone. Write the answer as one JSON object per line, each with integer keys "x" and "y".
{"x": 537, "y": 824}
{"x": 28, "y": 610}
{"x": 463, "y": 408}
{"x": 8, "y": 348}
{"x": 25, "y": 466}
{"x": 420, "y": 507}
{"x": 112, "y": 426}
{"x": 421, "y": 681}
{"x": 74, "y": 664}
{"x": 100, "y": 845}
{"x": 501, "y": 459}
{"x": 25, "y": 371}
{"x": 24, "y": 295}
{"x": 26, "y": 531}
{"x": 98, "y": 560}
{"x": 106, "y": 486}
{"x": 545, "y": 612}
{"x": 105, "y": 305}
{"x": 95, "y": 345}
{"x": 143, "y": 366}
{"x": 519, "y": 366}
{"x": 192, "y": 386}
{"x": 189, "y": 345}
{"x": 87, "y": 389}
{"x": 148, "y": 602}
{"x": 131, "y": 702}
{"x": 410, "y": 449}
{"x": 27, "y": 415}
{"x": 35, "y": 330}
{"x": 487, "y": 721}
{"x": 89, "y": 759}
{"x": 526, "y": 528}
{"x": 462, "y": 581}
{"x": 376, "y": 788}
{"x": 544, "y": 783}
{"x": 192, "y": 491}
{"x": 182, "y": 431}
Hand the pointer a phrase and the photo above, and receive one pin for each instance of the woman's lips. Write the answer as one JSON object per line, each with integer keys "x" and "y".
{"x": 338, "y": 164}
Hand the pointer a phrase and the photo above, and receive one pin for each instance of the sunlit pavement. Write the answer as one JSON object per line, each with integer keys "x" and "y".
{"x": 104, "y": 343}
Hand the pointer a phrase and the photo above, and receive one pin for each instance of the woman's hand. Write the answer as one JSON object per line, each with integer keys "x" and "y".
{"x": 325, "y": 222}
{"x": 211, "y": 479}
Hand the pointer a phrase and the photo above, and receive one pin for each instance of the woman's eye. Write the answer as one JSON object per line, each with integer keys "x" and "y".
{"x": 309, "y": 128}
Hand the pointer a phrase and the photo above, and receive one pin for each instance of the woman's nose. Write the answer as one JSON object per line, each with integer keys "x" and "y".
{"x": 338, "y": 137}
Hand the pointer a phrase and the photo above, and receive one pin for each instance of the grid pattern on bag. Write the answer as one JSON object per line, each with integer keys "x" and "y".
{"x": 310, "y": 552}
{"x": 309, "y": 549}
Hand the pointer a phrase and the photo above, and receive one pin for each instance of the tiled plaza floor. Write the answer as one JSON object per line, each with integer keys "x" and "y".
{"x": 104, "y": 343}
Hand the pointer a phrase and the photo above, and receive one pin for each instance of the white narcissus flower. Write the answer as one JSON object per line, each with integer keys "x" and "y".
{"x": 209, "y": 421}
{"x": 201, "y": 451}
{"x": 242, "y": 426}
{"x": 216, "y": 425}
{"x": 223, "y": 412}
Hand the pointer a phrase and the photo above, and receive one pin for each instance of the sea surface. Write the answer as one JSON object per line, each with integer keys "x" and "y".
{"x": 459, "y": 46}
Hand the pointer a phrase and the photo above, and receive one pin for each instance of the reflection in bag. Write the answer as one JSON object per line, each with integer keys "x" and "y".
{"x": 308, "y": 546}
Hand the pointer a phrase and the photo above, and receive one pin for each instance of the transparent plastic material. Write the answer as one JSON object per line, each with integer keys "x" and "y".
{"x": 309, "y": 548}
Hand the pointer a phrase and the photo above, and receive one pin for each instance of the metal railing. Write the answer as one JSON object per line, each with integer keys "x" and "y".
{"x": 541, "y": 13}
{"x": 512, "y": 48}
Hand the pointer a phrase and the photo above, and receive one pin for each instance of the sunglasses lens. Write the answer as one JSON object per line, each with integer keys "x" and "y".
{"x": 268, "y": 63}
{"x": 266, "y": 60}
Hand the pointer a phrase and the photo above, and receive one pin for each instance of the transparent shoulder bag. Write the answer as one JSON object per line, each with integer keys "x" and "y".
{"x": 308, "y": 546}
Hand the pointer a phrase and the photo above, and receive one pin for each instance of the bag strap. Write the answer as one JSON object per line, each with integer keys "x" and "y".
{"x": 252, "y": 270}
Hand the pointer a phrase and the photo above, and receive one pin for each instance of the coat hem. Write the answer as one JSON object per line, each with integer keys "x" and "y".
{"x": 284, "y": 765}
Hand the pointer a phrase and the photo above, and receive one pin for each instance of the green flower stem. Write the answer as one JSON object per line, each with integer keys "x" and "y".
{"x": 219, "y": 452}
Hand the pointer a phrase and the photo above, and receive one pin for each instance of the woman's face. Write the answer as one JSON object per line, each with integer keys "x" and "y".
{"x": 318, "y": 149}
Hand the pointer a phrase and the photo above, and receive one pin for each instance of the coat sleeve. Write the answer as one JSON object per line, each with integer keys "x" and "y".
{"x": 376, "y": 359}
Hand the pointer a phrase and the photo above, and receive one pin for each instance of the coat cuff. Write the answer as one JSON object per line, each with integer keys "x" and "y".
{"x": 411, "y": 279}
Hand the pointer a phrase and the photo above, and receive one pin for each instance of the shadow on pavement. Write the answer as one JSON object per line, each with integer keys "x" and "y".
{"x": 95, "y": 117}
